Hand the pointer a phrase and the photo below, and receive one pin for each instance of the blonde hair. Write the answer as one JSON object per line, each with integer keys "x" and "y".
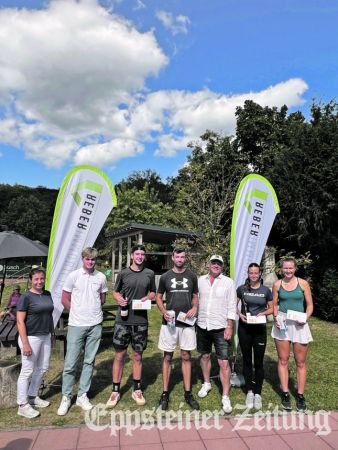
{"x": 89, "y": 252}
{"x": 288, "y": 259}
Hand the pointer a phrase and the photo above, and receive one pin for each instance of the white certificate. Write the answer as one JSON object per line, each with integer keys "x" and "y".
{"x": 296, "y": 315}
{"x": 182, "y": 317}
{"x": 254, "y": 319}
{"x": 139, "y": 304}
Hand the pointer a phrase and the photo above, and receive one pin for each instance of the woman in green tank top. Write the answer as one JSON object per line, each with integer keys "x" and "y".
{"x": 291, "y": 293}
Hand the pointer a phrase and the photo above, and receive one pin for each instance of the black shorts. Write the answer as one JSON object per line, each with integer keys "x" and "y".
{"x": 137, "y": 335}
{"x": 205, "y": 339}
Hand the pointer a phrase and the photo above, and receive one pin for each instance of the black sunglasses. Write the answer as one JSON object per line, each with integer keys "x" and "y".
{"x": 215, "y": 261}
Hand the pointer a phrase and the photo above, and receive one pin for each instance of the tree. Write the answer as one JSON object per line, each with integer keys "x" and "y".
{"x": 26, "y": 215}
{"x": 300, "y": 159}
{"x": 27, "y": 210}
{"x": 138, "y": 179}
{"x": 261, "y": 132}
{"x": 205, "y": 189}
{"x": 135, "y": 206}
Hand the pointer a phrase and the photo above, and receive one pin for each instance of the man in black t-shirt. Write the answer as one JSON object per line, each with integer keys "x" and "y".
{"x": 181, "y": 289}
{"x": 131, "y": 326}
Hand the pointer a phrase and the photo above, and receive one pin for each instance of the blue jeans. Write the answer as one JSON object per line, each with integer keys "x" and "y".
{"x": 77, "y": 337}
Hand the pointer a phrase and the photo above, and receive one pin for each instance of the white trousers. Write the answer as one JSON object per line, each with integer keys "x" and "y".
{"x": 33, "y": 367}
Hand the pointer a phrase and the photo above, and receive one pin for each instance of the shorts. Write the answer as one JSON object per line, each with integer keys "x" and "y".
{"x": 295, "y": 333}
{"x": 168, "y": 338}
{"x": 137, "y": 335}
{"x": 205, "y": 339}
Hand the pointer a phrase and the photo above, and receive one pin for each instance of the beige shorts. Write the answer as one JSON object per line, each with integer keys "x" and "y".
{"x": 169, "y": 337}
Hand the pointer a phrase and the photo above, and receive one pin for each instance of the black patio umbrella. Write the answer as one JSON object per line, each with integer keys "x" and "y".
{"x": 15, "y": 245}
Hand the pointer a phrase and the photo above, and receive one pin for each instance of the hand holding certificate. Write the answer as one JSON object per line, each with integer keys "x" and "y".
{"x": 182, "y": 317}
{"x": 141, "y": 304}
{"x": 296, "y": 316}
{"x": 255, "y": 319}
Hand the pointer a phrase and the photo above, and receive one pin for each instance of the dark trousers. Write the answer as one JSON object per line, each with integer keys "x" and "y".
{"x": 252, "y": 339}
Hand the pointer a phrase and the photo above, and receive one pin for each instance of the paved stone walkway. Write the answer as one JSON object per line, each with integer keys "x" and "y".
{"x": 318, "y": 433}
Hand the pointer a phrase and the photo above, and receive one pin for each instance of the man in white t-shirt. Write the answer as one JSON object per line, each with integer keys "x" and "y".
{"x": 216, "y": 314}
{"x": 84, "y": 293}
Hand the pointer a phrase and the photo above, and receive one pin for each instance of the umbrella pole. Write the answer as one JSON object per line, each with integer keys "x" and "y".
{"x": 3, "y": 280}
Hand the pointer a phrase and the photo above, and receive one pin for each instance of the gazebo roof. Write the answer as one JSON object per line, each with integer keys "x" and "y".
{"x": 152, "y": 233}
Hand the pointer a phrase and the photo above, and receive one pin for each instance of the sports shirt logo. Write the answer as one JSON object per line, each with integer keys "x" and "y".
{"x": 176, "y": 283}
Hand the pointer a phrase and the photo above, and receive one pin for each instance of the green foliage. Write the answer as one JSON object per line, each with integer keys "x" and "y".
{"x": 139, "y": 206}
{"x": 205, "y": 190}
{"x": 138, "y": 179}
{"x": 134, "y": 206}
{"x": 260, "y": 134}
{"x": 28, "y": 211}
{"x": 300, "y": 159}
{"x": 326, "y": 296}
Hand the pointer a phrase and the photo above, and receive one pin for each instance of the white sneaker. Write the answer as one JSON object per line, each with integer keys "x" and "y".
{"x": 84, "y": 402}
{"x": 113, "y": 400}
{"x": 27, "y": 411}
{"x": 38, "y": 402}
{"x": 258, "y": 401}
{"x": 137, "y": 396}
{"x": 203, "y": 392}
{"x": 226, "y": 404}
{"x": 64, "y": 406}
{"x": 249, "y": 401}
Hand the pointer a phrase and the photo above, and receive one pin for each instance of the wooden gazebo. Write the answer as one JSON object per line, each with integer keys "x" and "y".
{"x": 136, "y": 233}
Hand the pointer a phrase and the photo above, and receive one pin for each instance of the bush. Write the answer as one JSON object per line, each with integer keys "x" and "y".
{"x": 326, "y": 300}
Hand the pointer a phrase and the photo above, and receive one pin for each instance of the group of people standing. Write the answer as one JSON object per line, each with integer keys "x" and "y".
{"x": 197, "y": 312}
{"x": 209, "y": 301}
{"x": 288, "y": 294}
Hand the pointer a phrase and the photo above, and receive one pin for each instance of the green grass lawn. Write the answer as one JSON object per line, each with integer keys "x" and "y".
{"x": 321, "y": 389}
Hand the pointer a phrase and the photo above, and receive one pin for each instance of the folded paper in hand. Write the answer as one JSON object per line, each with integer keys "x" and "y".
{"x": 255, "y": 319}
{"x": 139, "y": 304}
{"x": 182, "y": 317}
{"x": 296, "y": 315}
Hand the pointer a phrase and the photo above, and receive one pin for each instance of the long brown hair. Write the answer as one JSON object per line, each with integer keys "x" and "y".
{"x": 247, "y": 285}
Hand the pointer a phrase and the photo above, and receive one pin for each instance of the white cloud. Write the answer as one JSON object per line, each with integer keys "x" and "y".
{"x": 66, "y": 70}
{"x": 109, "y": 152}
{"x": 8, "y": 132}
{"x": 170, "y": 144}
{"x": 139, "y": 5}
{"x": 176, "y": 25}
{"x": 189, "y": 114}
{"x": 73, "y": 88}
{"x": 52, "y": 154}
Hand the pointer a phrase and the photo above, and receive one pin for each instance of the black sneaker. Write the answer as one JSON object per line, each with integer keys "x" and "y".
{"x": 300, "y": 402}
{"x": 164, "y": 402}
{"x": 286, "y": 401}
{"x": 189, "y": 399}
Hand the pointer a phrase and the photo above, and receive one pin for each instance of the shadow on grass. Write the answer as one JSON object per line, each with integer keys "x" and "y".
{"x": 103, "y": 374}
{"x": 271, "y": 375}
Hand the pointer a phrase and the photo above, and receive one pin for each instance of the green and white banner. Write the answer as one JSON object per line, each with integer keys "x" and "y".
{"x": 256, "y": 206}
{"x": 84, "y": 202}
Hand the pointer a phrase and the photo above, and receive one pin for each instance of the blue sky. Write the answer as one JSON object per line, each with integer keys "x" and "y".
{"x": 124, "y": 85}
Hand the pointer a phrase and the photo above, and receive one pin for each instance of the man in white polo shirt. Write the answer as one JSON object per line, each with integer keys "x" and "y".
{"x": 83, "y": 294}
{"x": 216, "y": 314}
